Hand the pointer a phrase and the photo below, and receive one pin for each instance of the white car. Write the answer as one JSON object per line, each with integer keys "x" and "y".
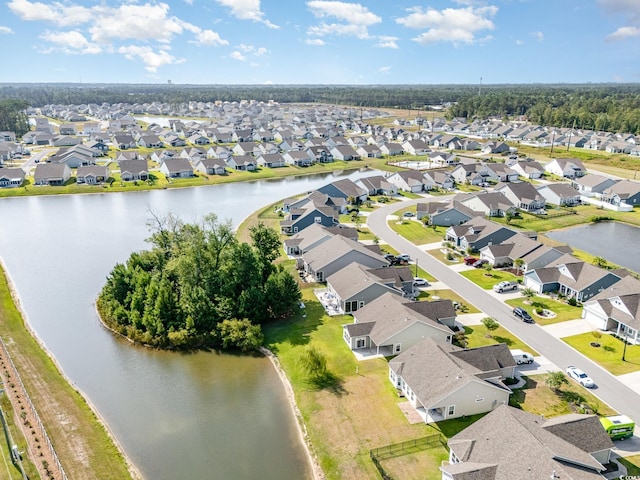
{"x": 504, "y": 286}
{"x": 580, "y": 377}
{"x": 420, "y": 282}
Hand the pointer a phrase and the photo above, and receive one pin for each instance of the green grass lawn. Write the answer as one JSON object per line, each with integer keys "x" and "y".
{"x": 480, "y": 277}
{"x": 415, "y": 231}
{"x": 632, "y": 463}
{"x": 440, "y": 255}
{"x": 479, "y": 336}
{"x": 609, "y": 354}
{"x": 536, "y": 397}
{"x": 563, "y": 310}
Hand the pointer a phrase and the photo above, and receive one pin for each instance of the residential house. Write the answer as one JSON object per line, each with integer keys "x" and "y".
{"x": 477, "y": 233}
{"x": 523, "y": 195}
{"x": 445, "y": 214}
{"x": 490, "y": 204}
{"x": 410, "y": 181}
{"x": 313, "y": 235}
{"x": 391, "y": 149}
{"x": 570, "y": 277}
{"x": 344, "y": 152}
{"x": 505, "y": 253}
{"x": 474, "y": 174}
{"x": 528, "y": 169}
{"x": 308, "y": 214}
{"x": 67, "y": 129}
{"x": 622, "y": 192}
{"x": 369, "y": 151}
{"x": 377, "y": 185}
{"x": 271, "y": 160}
{"x": 592, "y": 184}
{"x": 561, "y": 194}
{"x": 92, "y": 174}
{"x": 131, "y": 170}
{"x": 336, "y": 253}
{"x": 494, "y": 148}
{"x": 617, "y": 309}
{"x": 242, "y": 162}
{"x": 11, "y": 177}
{"x": 123, "y": 141}
{"x": 416, "y": 147}
{"x": 297, "y": 158}
{"x": 346, "y": 189}
{"x": 52, "y": 174}
{"x": 199, "y": 139}
{"x": 211, "y": 166}
{"x": 501, "y": 171}
{"x": 510, "y": 443}
{"x": 319, "y": 154}
{"x": 355, "y": 285}
{"x": 391, "y": 324}
{"x": 150, "y": 141}
{"x": 440, "y": 178}
{"x": 543, "y": 256}
{"x": 246, "y": 148}
{"x": 443, "y": 381}
{"x": 177, "y": 167}
{"x": 566, "y": 167}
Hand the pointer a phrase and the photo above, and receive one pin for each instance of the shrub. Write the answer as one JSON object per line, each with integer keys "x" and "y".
{"x": 572, "y": 301}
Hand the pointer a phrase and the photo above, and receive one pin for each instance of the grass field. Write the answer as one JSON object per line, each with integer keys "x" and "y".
{"x": 415, "y": 231}
{"x": 563, "y": 310}
{"x": 609, "y": 354}
{"x": 487, "y": 280}
{"x": 479, "y": 336}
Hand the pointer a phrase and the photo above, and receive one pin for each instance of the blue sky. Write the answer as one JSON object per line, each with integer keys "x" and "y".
{"x": 320, "y": 41}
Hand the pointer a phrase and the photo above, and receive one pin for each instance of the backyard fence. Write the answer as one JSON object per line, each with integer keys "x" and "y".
{"x": 404, "y": 448}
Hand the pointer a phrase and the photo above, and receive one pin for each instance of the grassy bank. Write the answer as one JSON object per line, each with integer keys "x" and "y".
{"x": 81, "y": 441}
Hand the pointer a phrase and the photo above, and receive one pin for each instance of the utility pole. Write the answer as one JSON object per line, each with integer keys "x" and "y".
{"x": 480, "y": 87}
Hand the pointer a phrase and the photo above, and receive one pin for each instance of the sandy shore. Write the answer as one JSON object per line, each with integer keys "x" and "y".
{"x": 316, "y": 470}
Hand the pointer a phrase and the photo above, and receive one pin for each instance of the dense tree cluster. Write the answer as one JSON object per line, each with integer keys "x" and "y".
{"x": 198, "y": 286}
{"x": 13, "y": 117}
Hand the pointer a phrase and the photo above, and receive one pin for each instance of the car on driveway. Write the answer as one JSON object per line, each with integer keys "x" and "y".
{"x": 580, "y": 377}
{"x": 403, "y": 257}
{"x": 408, "y": 214}
{"x": 480, "y": 263}
{"x": 505, "y": 286}
{"x": 470, "y": 260}
{"x": 523, "y": 314}
{"x": 420, "y": 282}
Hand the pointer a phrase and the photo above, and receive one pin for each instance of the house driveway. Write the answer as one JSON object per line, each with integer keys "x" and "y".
{"x": 539, "y": 366}
{"x": 569, "y": 328}
{"x": 631, "y": 380}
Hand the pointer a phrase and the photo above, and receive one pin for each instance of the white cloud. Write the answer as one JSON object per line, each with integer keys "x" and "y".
{"x": 5, "y": 30}
{"x": 623, "y": 33}
{"x": 455, "y": 25}
{"x": 519, "y": 42}
{"x": 236, "y": 55}
{"x": 384, "y": 69}
{"x": 204, "y": 37}
{"x": 261, "y": 51}
{"x": 354, "y": 19}
{"x": 314, "y": 41}
{"x": 539, "y": 36}
{"x": 152, "y": 60}
{"x": 247, "y": 10}
{"x": 72, "y": 42}
{"x": 385, "y": 41}
{"x": 57, "y": 13}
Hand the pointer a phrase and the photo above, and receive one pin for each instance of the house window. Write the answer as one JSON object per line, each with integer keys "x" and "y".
{"x": 397, "y": 348}
{"x": 360, "y": 343}
{"x": 360, "y": 304}
{"x": 317, "y": 219}
{"x": 451, "y": 410}
{"x": 350, "y": 306}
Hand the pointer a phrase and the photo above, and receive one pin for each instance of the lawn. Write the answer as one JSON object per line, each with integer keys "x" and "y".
{"x": 609, "y": 354}
{"x": 449, "y": 295}
{"x": 487, "y": 280}
{"x": 633, "y": 465}
{"x": 563, "y": 311}
{"x": 536, "y": 397}
{"x": 338, "y": 408}
{"x": 479, "y": 336}
{"x": 440, "y": 255}
{"x": 416, "y": 232}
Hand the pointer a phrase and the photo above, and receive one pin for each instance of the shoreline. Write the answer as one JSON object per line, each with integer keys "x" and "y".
{"x": 15, "y": 296}
{"x": 316, "y": 469}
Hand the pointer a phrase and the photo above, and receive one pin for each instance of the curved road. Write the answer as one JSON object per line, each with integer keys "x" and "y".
{"x": 609, "y": 389}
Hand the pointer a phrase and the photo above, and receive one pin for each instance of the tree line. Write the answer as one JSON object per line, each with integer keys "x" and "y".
{"x": 198, "y": 286}
{"x": 13, "y": 117}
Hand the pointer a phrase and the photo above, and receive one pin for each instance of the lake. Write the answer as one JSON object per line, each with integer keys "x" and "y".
{"x": 617, "y": 242}
{"x": 177, "y": 416}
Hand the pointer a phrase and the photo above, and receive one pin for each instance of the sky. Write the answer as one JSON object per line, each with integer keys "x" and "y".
{"x": 320, "y": 41}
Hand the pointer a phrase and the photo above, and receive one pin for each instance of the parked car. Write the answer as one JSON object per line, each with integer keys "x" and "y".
{"x": 420, "y": 282}
{"x": 523, "y": 314}
{"x": 403, "y": 257}
{"x": 580, "y": 377}
{"x": 521, "y": 357}
{"x": 470, "y": 260}
{"x": 480, "y": 263}
{"x": 408, "y": 214}
{"x": 505, "y": 286}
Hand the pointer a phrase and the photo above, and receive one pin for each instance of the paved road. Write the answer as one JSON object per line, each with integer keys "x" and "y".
{"x": 610, "y": 390}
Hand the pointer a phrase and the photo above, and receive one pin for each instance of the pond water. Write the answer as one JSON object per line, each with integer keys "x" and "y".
{"x": 177, "y": 416}
{"x": 614, "y": 241}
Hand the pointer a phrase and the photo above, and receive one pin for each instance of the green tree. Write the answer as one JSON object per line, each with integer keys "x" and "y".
{"x": 490, "y": 323}
{"x": 528, "y": 292}
{"x": 240, "y": 334}
{"x": 518, "y": 263}
{"x": 267, "y": 242}
{"x": 600, "y": 262}
{"x": 283, "y": 294}
{"x": 555, "y": 380}
{"x": 13, "y": 117}
{"x": 313, "y": 361}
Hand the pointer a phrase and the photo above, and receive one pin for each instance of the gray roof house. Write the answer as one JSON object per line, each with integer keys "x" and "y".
{"x": 346, "y": 189}
{"x": 51, "y": 174}
{"x": 561, "y": 194}
{"x": 445, "y": 214}
{"x": 528, "y": 169}
{"x": 477, "y": 233}
{"x": 543, "y": 256}
{"x": 242, "y": 162}
{"x": 523, "y": 195}
{"x": 570, "y": 277}
{"x": 377, "y": 185}
{"x": 134, "y": 170}
{"x": 617, "y": 309}
{"x": 344, "y": 152}
{"x": 410, "y": 181}
{"x": 315, "y": 234}
{"x": 307, "y": 214}
{"x": 572, "y": 446}
{"x": 177, "y": 167}
{"x": 505, "y": 253}
{"x": 591, "y": 184}
{"x": 271, "y": 160}
{"x": 566, "y": 167}
{"x": 490, "y": 204}
{"x": 622, "y": 192}
{"x": 391, "y": 324}
{"x": 11, "y": 177}
{"x": 92, "y": 174}
{"x": 442, "y": 381}
{"x": 211, "y": 166}
{"x": 336, "y": 253}
{"x": 355, "y": 285}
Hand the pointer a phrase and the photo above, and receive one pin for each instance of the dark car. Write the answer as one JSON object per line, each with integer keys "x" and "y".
{"x": 470, "y": 260}
{"x": 480, "y": 263}
{"x": 523, "y": 314}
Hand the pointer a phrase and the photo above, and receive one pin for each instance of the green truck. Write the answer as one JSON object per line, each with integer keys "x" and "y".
{"x": 618, "y": 426}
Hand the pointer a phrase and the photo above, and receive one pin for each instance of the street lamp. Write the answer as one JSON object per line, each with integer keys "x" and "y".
{"x": 624, "y": 349}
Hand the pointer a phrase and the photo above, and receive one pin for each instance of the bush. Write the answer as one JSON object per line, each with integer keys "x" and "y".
{"x": 572, "y": 301}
